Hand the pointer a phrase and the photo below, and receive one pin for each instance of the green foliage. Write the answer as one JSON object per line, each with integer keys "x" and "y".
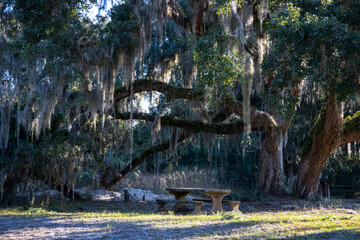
{"x": 342, "y": 168}
{"x": 310, "y": 40}
{"x": 220, "y": 65}
{"x": 162, "y": 52}
{"x": 172, "y": 43}
{"x": 185, "y": 7}
{"x": 352, "y": 123}
{"x": 44, "y": 19}
{"x": 316, "y": 129}
{"x": 224, "y": 6}
{"x": 122, "y": 31}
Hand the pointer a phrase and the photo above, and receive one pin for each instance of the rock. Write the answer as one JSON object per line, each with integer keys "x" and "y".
{"x": 337, "y": 237}
{"x": 139, "y": 195}
{"x": 135, "y": 195}
{"x": 103, "y": 195}
{"x": 100, "y": 195}
{"x": 84, "y": 193}
{"x": 52, "y": 195}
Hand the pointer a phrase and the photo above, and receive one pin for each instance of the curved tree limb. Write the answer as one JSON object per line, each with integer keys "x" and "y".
{"x": 350, "y": 133}
{"x": 317, "y": 148}
{"x": 143, "y": 157}
{"x": 222, "y": 115}
{"x": 143, "y": 85}
{"x": 259, "y": 119}
{"x": 195, "y": 126}
{"x": 171, "y": 92}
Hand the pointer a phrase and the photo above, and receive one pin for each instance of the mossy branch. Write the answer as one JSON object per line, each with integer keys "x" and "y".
{"x": 352, "y": 124}
{"x": 260, "y": 120}
{"x": 143, "y": 157}
{"x": 351, "y": 131}
{"x": 195, "y": 126}
{"x": 171, "y": 92}
{"x": 315, "y": 130}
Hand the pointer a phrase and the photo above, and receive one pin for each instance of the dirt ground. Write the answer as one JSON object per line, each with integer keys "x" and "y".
{"x": 65, "y": 225}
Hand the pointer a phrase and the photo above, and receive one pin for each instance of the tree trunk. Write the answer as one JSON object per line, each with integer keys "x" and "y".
{"x": 309, "y": 173}
{"x": 271, "y": 161}
{"x": 325, "y": 132}
{"x": 7, "y": 191}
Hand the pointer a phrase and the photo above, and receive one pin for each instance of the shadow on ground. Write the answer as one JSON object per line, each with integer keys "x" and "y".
{"x": 67, "y": 225}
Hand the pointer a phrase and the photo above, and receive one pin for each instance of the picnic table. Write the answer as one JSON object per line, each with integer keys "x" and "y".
{"x": 216, "y": 196}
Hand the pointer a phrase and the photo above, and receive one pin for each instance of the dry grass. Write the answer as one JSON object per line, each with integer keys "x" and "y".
{"x": 136, "y": 221}
{"x": 185, "y": 178}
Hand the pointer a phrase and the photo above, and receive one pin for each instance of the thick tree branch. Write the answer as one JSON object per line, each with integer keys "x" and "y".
{"x": 295, "y": 91}
{"x": 195, "y": 126}
{"x": 317, "y": 147}
{"x": 260, "y": 120}
{"x": 350, "y": 133}
{"x": 171, "y": 92}
{"x": 143, "y": 157}
{"x": 143, "y": 85}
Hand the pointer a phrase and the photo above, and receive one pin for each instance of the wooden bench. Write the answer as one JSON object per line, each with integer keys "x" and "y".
{"x": 346, "y": 190}
{"x": 216, "y": 196}
{"x": 162, "y": 206}
{"x": 233, "y": 204}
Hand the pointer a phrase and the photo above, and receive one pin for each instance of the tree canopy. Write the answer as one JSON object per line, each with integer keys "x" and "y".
{"x": 74, "y": 90}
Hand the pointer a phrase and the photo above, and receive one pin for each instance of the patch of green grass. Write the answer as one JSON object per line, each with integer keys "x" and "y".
{"x": 305, "y": 224}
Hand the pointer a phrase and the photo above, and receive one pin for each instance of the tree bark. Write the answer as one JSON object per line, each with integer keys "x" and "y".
{"x": 194, "y": 126}
{"x": 325, "y": 132}
{"x": 171, "y": 92}
{"x": 271, "y": 161}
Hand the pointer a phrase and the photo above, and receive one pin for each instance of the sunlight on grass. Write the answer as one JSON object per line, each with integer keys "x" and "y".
{"x": 311, "y": 224}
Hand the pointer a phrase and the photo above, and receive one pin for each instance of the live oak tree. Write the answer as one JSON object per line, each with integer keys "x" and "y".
{"x": 316, "y": 44}
{"x": 203, "y": 57}
{"x": 217, "y": 47}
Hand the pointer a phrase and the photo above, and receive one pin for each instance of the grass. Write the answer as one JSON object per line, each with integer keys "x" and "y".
{"x": 315, "y": 223}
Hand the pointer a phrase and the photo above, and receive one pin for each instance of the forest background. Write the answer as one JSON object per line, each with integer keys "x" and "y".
{"x": 259, "y": 96}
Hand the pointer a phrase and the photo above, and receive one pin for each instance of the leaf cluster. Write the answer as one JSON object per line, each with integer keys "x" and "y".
{"x": 219, "y": 64}
{"x": 44, "y": 19}
{"x": 122, "y": 31}
{"x": 312, "y": 40}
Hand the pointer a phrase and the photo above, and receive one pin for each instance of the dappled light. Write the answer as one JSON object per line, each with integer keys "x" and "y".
{"x": 89, "y": 220}
{"x": 114, "y": 110}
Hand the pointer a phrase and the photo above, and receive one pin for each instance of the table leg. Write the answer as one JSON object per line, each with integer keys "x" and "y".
{"x": 180, "y": 207}
{"x": 161, "y": 206}
{"x": 216, "y": 201}
{"x": 197, "y": 205}
{"x": 235, "y": 206}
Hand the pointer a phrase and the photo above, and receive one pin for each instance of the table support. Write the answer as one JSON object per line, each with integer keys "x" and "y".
{"x": 179, "y": 206}
{"x": 216, "y": 198}
{"x": 161, "y": 206}
{"x": 197, "y": 205}
{"x": 235, "y": 206}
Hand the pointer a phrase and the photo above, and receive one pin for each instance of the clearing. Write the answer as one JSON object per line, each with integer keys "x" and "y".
{"x": 272, "y": 218}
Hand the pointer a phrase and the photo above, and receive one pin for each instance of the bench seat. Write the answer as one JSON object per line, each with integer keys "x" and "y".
{"x": 162, "y": 205}
{"x": 234, "y": 204}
